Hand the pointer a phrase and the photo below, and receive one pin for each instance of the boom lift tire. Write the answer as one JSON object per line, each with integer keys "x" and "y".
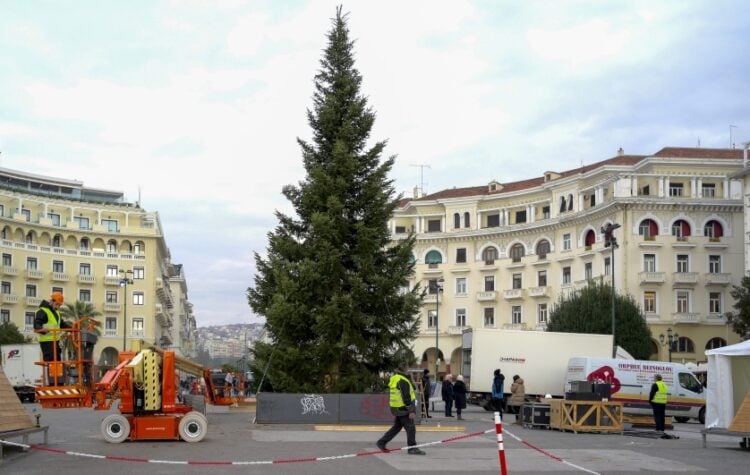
{"x": 193, "y": 427}
{"x": 115, "y": 428}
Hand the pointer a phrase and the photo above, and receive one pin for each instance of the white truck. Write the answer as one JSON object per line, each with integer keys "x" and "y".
{"x": 630, "y": 382}
{"x": 539, "y": 357}
{"x": 18, "y": 362}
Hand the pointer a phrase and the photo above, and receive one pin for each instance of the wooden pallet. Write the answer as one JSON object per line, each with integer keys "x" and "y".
{"x": 647, "y": 421}
{"x": 591, "y": 416}
{"x": 13, "y": 416}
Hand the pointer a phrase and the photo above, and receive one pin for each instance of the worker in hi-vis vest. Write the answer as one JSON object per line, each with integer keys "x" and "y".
{"x": 48, "y": 318}
{"x": 403, "y": 404}
{"x": 658, "y": 399}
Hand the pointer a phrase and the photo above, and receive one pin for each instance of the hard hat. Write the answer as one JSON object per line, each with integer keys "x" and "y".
{"x": 57, "y": 297}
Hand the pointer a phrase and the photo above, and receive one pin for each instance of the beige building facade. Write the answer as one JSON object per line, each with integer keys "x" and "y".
{"x": 91, "y": 245}
{"x": 501, "y": 255}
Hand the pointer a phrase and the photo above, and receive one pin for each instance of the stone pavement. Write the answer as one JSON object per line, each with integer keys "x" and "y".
{"x": 233, "y": 437}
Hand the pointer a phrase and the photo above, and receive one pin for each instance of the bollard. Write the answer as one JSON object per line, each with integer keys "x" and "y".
{"x": 500, "y": 446}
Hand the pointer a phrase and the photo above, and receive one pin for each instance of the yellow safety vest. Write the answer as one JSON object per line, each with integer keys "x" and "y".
{"x": 396, "y": 401}
{"x": 52, "y": 324}
{"x": 661, "y": 393}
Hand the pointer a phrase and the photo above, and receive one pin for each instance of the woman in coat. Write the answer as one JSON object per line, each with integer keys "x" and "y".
{"x": 517, "y": 396}
{"x": 459, "y": 395}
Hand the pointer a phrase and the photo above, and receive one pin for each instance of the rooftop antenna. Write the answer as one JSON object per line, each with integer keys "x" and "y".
{"x": 699, "y": 143}
{"x": 731, "y": 140}
{"x": 421, "y": 177}
{"x": 139, "y": 196}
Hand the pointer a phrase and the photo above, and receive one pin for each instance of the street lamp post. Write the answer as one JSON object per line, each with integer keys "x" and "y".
{"x": 672, "y": 338}
{"x": 611, "y": 241}
{"x": 124, "y": 281}
{"x": 438, "y": 289}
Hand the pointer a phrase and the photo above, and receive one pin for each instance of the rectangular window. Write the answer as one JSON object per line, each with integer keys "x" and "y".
{"x": 137, "y": 298}
{"x": 58, "y": 266}
{"x": 2, "y": 210}
{"x": 84, "y": 295}
{"x": 55, "y": 218}
{"x": 58, "y": 290}
{"x": 649, "y": 263}
{"x": 714, "y": 264}
{"x": 137, "y": 324}
{"x": 545, "y": 212}
{"x": 714, "y": 302}
{"x": 29, "y": 321}
{"x": 517, "y": 281}
{"x": 460, "y": 317}
{"x": 434, "y": 286}
{"x": 110, "y": 323}
{"x": 683, "y": 301}
{"x": 541, "y": 311}
{"x": 542, "y": 278}
{"x": 431, "y": 319}
{"x": 461, "y": 255}
{"x": 515, "y": 312}
{"x": 433, "y": 225}
{"x": 84, "y": 269}
{"x": 566, "y": 275}
{"x": 112, "y": 271}
{"x": 26, "y": 214}
{"x": 4, "y": 316}
{"x": 683, "y": 263}
{"x": 7, "y": 260}
{"x": 461, "y": 285}
{"x": 493, "y": 220}
{"x": 675, "y": 189}
{"x": 112, "y": 296}
{"x": 489, "y": 283}
{"x": 520, "y": 217}
{"x": 139, "y": 273}
{"x": 649, "y": 301}
{"x": 32, "y": 263}
{"x": 83, "y": 223}
{"x": 110, "y": 225}
{"x": 399, "y": 230}
{"x": 489, "y": 316}
{"x": 607, "y": 266}
{"x": 30, "y": 290}
{"x": 708, "y": 190}
{"x": 588, "y": 271}
{"x": 566, "y": 242}
{"x": 5, "y": 286}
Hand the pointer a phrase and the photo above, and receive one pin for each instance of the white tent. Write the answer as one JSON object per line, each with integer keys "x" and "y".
{"x": 728, "y": 383}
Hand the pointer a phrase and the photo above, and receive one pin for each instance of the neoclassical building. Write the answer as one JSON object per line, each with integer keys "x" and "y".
{"x": 501, "y": 255}
{"x": 91, "y": 245}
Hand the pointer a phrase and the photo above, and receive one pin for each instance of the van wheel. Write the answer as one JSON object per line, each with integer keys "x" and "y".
{"x": 702, "y": 415}
{"x": 682, "y": 419}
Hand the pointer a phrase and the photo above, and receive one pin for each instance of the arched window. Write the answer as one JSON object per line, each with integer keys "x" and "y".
{"x": 713, "y": 229}
{"x": 648, "y": 228}
{"x": 570, "y": 202}
{"x": 112, "y": 246}
{"x": 517, "y": 252}
{"x": 590, "y": 239}
{"x": 542, "y": 249}
{"x": 138, "y": 248}
{"x": 433, "y": 258}
{"x": 30, "y": 238}
{"x": 714, "y": 343}
{"x": 489, "y": 255}
{"x": 467, "y": 220}
{"x": 681, "y": 229}
{"x": 84, "y": 244}
{"x": 456, "y": 220}
{"x": 684, "y": 345}
{"x": 562, "y": 204}
{"x": 57, "y": 241}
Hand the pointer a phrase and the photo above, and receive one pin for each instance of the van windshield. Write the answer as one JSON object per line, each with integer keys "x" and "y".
{"x": 688, "y": 381}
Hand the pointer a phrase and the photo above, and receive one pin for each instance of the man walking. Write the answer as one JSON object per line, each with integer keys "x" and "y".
{"x": 447, "y": 393}
{"x": 403, "y": 406}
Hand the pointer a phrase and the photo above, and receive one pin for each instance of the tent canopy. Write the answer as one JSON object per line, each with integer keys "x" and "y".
{"x": 728, "y": 383}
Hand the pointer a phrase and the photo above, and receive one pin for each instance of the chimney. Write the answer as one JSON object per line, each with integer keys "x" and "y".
{"x": 620, "y": 152}
{"x": 416, "y": 192}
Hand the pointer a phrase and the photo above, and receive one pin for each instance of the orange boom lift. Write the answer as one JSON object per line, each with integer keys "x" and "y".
{"x": 144, "y": 383}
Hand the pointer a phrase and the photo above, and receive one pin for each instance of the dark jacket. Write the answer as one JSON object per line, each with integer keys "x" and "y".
{"x": 498, "y": 387}
{"x": 447, "y": 390}
{"x": 426, "y": 387}
{"x": 459, "y": 392}
{"x": 40, "y": 318}
{"x": 409, "y": 403}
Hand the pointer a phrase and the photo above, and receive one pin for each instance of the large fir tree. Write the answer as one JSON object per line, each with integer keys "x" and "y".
{"x": 331, "y": 285}
{"x": 590, "y": 311}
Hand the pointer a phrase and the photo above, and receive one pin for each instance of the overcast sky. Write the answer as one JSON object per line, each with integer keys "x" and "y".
{"x": 199, "y": 103}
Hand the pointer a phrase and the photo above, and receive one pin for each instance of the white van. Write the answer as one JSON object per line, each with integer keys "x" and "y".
{"x": 631, "y": 380}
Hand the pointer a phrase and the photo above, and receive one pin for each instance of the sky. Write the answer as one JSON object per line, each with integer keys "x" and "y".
{"x": 195, "y": 106}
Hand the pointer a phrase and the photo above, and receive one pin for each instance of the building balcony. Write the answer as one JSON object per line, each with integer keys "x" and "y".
{"x": 454, "y": 330}
{"x": 487, "y": 296}
{"x": 112, "y": 280}
{"x": 686, "y": 317}
{"x": 34, "y": 274}
{"x": 161, "y": 316}
{"x": 430, "y": 298}
{"x": 715, "y": 319}
{"x": 514, "y": 326}
{"x": 33, "y": 301}
{"x": 539, "y": 291}
{"x": 511, "y": 294}
{"x": 110, "y": 332}
{"x": 112, "y": 307}
{"x": 10, "y": 298}
{"x": 541, "y": 327}
{"x": 718, "y": 279}
{"x": 86, "y": 279}
{"x": 652, "y": 317}
{"x": 137, "y": 334}
{"x": 683, "y": 278}
{"x": 581, "y": 284}
{"x": 9, "y": 270}
{"x": 651, "y": 277}
{"x": 60, "y": 277}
